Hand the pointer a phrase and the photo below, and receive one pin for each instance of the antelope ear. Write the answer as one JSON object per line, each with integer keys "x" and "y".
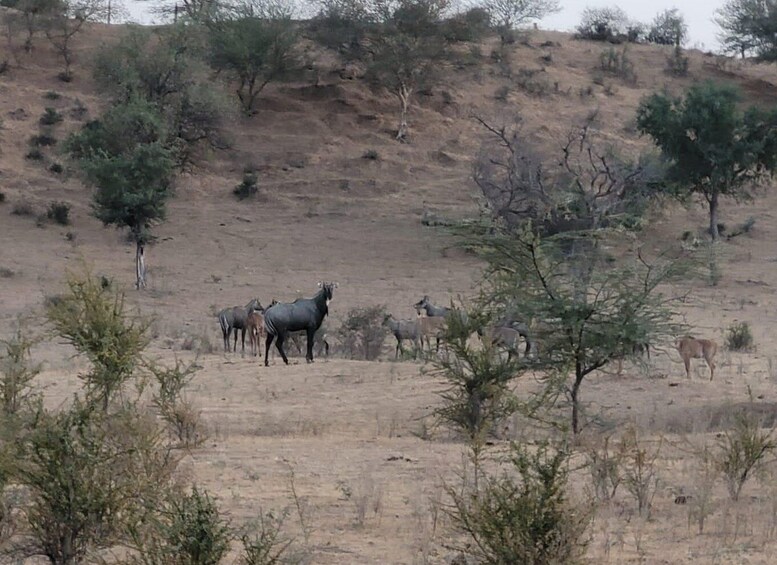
{"x": 320, "y": 284}
{"x": 335, "y": 284}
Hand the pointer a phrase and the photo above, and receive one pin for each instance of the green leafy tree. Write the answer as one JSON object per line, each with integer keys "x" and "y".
{"x": 584, "y": 308}
{"x": 407, "y": 51}
{"x": 256, "y": 41}
{"x": 668, "y": 28}
{"x": 124, "y": 157}
{"x": 749, "y": 26}
{"x": 715, "y": 150}
{"x": 163, "y": 67}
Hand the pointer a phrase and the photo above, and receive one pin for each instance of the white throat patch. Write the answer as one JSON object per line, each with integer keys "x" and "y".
{"x": 328, "y": 300}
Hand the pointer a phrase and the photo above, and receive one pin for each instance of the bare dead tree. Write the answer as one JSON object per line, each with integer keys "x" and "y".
{"x": 589, "y": 187}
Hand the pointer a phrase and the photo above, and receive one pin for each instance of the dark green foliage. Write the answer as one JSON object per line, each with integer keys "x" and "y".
{"x": 162, "y": 67}
{"x": 56, "y": 168}
{"x": 42, "y": 140}
{"x": 739, "y": 337}
{"x": 668, "y": 28}
{"x": 124, "y": 157}
{"x": 34, "y": 154}
{"x": 748, "y": 27}
{"x": 471, "y": 25}
{"x": 362, "y": 333}
{"x": 59, "y": 212}
{"x": 728, "y": 151}
{"x": 117, "y": 132}
{"x": 52, "y": 95}
{"x": 50, "y": 117}
{"x": 247, "y": 187}
{"x": 371, "y": 155}
{"x": 525, "y": 516}
{"x": 677, "y": 63}
{"x": 2, "y": 197}
{"x": 256, "y": 42}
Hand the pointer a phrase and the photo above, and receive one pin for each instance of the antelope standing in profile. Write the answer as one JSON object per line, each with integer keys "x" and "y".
{"x": 692, "y": 348}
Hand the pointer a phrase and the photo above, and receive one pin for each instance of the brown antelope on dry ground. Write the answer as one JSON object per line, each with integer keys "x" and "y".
{"x": 255, "y": 327}
{"x": 692, "y": 348}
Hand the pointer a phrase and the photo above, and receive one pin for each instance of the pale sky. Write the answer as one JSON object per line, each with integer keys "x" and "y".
{"x": 698, "y": 15}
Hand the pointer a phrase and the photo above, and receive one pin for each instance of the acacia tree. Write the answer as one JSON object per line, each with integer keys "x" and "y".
{"x": 406, "y": 51}
{"x": 509, "y": 14}
{"x": 124, "y": 157}
{"x": 64, "y": 23}
{"x": 582, "y": 323}
{"x": 714, "y": 149}
{"x": 255, "y": 40}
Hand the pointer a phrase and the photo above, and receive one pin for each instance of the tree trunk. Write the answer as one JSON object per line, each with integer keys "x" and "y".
{"x": 713, "y": 200}
{"x": 403, "y": 94}
{"x": 140, "y": 266}
{"x": 574, "y": 394}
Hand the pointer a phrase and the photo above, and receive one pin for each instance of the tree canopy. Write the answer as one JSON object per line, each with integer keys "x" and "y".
{"x": 714, "y": 149}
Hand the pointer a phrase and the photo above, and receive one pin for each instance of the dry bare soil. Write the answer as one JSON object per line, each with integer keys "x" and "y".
{"x": 352, "y": 437}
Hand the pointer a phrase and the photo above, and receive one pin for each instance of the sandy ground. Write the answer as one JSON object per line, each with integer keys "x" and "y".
{"x": 352, "y": 439}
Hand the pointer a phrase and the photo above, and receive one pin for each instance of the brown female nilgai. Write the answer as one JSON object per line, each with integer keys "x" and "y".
{"x": 234, "y": 319}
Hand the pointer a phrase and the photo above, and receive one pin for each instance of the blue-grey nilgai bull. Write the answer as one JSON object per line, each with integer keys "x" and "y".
{"x": 302, "y": 314}
{"x": 233, "y": 319}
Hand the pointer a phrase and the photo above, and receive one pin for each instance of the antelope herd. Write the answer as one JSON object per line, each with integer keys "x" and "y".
{"x": 307, "y": 314}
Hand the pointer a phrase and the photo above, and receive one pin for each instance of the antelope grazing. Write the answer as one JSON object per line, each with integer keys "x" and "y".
{"x": 505, "y": 336}
{"x": 255, "y": 328}
{"x": 692, "y": 348}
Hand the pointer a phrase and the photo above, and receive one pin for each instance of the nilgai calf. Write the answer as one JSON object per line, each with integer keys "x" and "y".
{"x": 692, "y": 348}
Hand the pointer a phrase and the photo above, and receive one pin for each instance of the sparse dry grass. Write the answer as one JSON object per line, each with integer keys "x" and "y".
{"x": 367, "y": 424}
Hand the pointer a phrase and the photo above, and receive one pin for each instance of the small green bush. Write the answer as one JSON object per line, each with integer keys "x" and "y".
{"x": 742, "y": 450}
{"x": 42, "y": 140}
{"x": 56, "y": 168}
{"x": 52, "y": 95}
{"x": 59, "y": 213}
{"x": 525, "y": 516}
{"x": 50, "y": 117}
{"x": 2, "y": 197}
{"x": 371, "y": 155}
{"x": 677, "y": 63}
{"x": 618, "y": 63}
{"x": 247, "y": 187}
{"x": 34, "y": 154}
{"x": 739, "y": 337}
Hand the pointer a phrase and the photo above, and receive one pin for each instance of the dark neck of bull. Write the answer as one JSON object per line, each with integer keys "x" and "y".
{"x": 320, "y": 300}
